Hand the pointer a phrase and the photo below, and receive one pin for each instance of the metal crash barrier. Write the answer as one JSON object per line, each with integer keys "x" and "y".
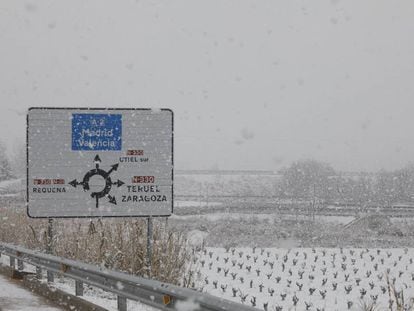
{"x": 160, "y": 295}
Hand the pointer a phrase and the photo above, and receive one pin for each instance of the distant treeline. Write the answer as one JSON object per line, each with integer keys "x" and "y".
{"x": 308, "y": 180}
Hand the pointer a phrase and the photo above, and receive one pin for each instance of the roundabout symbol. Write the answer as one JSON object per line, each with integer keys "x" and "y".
{"x": 105, "y": 175}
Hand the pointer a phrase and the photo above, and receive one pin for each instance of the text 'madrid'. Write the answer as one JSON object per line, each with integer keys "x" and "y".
{"x": 96, "y": 132}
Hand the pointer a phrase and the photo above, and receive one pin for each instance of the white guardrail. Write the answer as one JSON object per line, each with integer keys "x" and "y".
{"x": 160, "y": 295}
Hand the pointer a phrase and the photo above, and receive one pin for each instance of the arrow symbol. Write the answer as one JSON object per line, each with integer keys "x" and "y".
{"x": 111, "y": 199}
{"x": 75, "y": 183}
{"x": 113, "y": 168}
{"x": 108, "y": 182}
{"x": 97, "y": 160}
{"x": 119, "y": 183}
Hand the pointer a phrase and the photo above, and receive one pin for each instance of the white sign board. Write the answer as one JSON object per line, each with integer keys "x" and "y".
{"x": 99, "y": 162}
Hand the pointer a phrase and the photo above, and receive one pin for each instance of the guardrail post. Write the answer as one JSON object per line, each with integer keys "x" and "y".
{"x": 20, "y": 266}
{"x": 12, "y": 263}
{"x": 38, "y": 273}
{"x": 78, "y": 288}
{"x": 122, "y": 303}
{"x": 50, "y": 277}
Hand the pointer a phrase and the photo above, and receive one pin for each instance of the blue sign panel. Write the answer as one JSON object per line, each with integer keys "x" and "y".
{"x": 96, "y": 131}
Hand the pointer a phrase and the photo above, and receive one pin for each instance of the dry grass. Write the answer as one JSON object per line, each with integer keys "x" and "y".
{"x": 397, "y": 300}
{"x": 368, "y": 306}
{"x": 115, "y": 244}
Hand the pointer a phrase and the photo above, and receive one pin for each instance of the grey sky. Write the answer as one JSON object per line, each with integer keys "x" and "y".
{"x": 253, "y": 84}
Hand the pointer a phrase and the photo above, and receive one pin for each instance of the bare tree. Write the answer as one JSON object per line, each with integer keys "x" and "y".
{"x": 5, "y": 168}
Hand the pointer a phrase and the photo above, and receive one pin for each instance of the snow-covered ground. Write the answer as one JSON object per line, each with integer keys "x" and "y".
{"x": 98, "y": 296}
{"x": 317, "y": 279}
{"x": 179, "y": 203}
{"x": 15, "y": 297}
{"x": 278, "y": 279}
{"x": 263, "y": 217}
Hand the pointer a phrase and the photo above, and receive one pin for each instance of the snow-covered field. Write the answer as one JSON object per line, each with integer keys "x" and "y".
{"x": 305, "y": 278}
{"x": 341, "y": 220}
{"x": 179, "y": 203}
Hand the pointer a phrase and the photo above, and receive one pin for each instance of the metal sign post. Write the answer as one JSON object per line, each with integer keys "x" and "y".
{"x": 49, "y": 242}
{"x": 149, "y": 245}
{"x": 49, "y": 246}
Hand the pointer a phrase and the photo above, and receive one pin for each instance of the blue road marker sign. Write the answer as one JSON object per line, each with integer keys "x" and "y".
{"x": 96, "y": 132}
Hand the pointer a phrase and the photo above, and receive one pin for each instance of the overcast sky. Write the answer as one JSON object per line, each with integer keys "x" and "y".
{"x": 253, "y": 84}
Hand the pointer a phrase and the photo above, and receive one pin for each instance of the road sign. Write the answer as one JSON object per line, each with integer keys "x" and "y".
{"x": 99, "y": 162}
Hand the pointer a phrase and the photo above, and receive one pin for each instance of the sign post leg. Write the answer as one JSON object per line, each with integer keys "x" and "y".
{"x": 49, "y": 246}
{"x": 149, "y": 245}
